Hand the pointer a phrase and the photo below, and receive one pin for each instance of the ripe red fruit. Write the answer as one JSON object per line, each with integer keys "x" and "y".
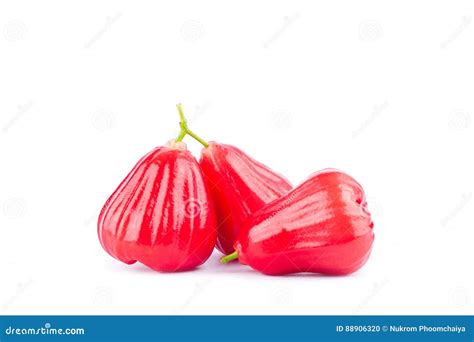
{"x": 161, "y": 214}
{"x": 239, "y": 185}
{"x": 321, "y": 226}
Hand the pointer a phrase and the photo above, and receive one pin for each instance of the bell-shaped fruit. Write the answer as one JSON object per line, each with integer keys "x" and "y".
{"x": 321, "y": 226}
{"x": 161, "y": 214}
{"x": 239, "y": 186}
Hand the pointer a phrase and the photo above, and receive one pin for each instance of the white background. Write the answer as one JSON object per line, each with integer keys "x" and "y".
{"x": 382, "y": 90}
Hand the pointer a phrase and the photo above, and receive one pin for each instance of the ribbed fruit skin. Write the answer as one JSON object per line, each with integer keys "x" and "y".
{"x": 239, "y": 186}
{"x": 161, "y": 214}
{"x": 321, "y": 226}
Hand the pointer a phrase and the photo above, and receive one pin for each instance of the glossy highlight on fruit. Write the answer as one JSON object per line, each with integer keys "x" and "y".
{"x": 161, "y": 214}
{"x": 321, "y": 226}
{"x": 239, "y": 186}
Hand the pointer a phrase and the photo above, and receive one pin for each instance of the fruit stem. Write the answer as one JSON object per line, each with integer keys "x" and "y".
{"x": 185, "y": 130}
{"x": 228, "y": 258}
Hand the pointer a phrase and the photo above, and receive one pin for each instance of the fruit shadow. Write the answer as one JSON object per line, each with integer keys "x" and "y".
{"x": 236, "y": 268}
{"x": 214, "y": 267}
{"x": 138, "y": 267}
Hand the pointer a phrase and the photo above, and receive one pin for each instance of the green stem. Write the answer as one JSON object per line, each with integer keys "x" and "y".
{"x": 181, "y": 135}
{"x": 199, "y": 139}
{"x": 185, "y": 130}
{"x": 228, "y": 258}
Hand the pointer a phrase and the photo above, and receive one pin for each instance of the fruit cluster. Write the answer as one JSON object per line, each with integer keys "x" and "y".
{"x": 171, "y": 211}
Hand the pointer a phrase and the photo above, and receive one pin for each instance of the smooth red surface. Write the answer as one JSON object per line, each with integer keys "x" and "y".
{"x": 239, "y": 185}
{"x": 161, "y": 214}
{"x": 322, "y": 226}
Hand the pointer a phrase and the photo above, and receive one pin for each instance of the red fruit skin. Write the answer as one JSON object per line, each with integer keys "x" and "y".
{"x": 161, "y": 214}
{"x": 239, "y": 185}
{"x": 321, "y": 226}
